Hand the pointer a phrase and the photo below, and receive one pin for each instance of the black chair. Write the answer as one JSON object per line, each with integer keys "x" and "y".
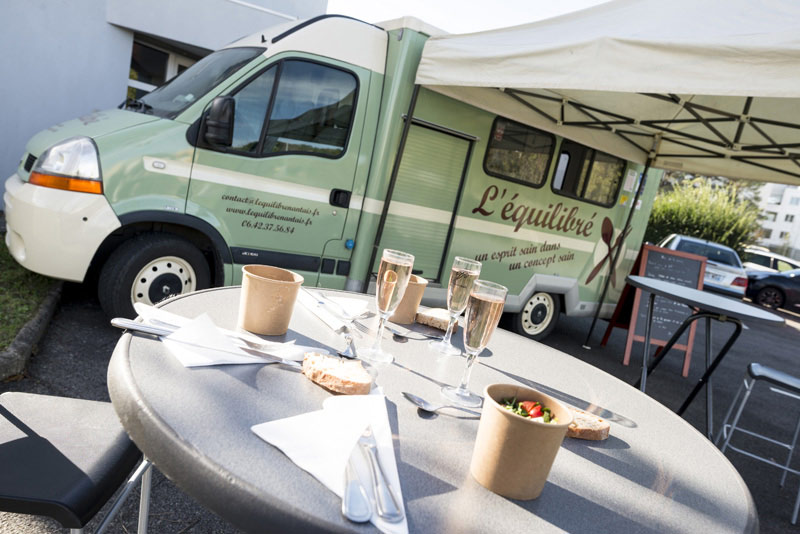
{"x": 782, "y": 384}
{"x": 65, "y": 458}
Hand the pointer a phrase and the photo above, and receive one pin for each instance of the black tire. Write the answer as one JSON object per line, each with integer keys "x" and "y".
{"x": 149, "y": 268}
{"x": 538, "y": 316}
{"x": 770, "y": 297}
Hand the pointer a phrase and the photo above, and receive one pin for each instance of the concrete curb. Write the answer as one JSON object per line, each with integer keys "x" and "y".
{"x": 14, "y": 358}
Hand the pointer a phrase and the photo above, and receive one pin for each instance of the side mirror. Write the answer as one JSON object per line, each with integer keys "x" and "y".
{"x": 219, "y": 121}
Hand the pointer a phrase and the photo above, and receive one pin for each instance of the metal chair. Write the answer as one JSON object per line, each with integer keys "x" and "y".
{"x": 786, "y": 385}
{"x": 64, "y": 458}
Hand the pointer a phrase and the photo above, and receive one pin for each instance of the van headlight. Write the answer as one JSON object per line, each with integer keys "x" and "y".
{"x": 71, "y": 165}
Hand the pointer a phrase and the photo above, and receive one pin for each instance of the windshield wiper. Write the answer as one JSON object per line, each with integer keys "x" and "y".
{"x": 136, "y": 105}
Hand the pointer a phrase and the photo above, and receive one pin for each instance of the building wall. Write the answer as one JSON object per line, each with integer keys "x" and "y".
{"x": 65, "y": 58}
{"x": 209, "y": 24}
{"x": 784, "y": 202}
{"x": 60, "y": 60}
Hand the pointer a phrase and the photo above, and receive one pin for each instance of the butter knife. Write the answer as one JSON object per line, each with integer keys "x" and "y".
{"x": 356, "y": 505}
{"x": 386, "y": 502}
{"x": 127, "y": 324}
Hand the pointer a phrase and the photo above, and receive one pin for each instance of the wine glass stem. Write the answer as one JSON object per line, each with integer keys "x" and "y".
{"x": 379, "y": 337}
{"x": 471, "y": 355}
{"x": 449, "y": 333}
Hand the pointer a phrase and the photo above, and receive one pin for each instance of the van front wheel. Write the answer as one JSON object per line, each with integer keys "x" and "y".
{"x": 538, "y": 317}
{"x": 149, "y": 268}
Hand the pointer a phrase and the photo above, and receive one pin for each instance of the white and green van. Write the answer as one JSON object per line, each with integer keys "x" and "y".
{"x": 309, "y": 147}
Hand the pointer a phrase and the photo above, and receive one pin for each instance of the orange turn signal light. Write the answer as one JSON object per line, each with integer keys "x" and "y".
{"x": 80, "y": 185}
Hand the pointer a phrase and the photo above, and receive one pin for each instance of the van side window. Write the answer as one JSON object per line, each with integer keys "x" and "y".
{"x": 313, "y": 110}
{"x": 251, "y": 106}
{"x": 518, "y": 152}
{"x": 585, "y": 173}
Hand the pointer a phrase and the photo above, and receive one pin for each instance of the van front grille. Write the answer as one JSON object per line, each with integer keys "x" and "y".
{"x": 29, "y": 162}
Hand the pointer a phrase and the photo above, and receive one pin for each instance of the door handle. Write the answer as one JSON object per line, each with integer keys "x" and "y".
{"x": 340, "y": 198}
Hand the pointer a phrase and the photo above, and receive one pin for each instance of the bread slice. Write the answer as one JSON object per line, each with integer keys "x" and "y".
{"x": 587, "y": 426}
{"x": 337, "y": 374}
{"x": 436, "y": 317}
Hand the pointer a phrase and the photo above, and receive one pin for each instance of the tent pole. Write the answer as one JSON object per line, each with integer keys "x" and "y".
{"x": 617, "y": 252}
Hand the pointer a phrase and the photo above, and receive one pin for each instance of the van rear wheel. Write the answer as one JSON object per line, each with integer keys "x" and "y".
{"x": 149, "y": 268}
{"x": 538, "y": 316}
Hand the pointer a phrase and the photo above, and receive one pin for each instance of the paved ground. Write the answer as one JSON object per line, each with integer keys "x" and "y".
{"x": 72, "y": 359}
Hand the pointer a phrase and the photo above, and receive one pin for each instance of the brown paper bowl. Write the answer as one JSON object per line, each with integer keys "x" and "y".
{"x": 406, "y": 311}
{"x": 267, "y": 300}
{"x": 513, "y": 455}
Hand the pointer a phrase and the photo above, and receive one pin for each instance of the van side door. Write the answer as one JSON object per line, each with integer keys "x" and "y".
{"x": 281, "y": 190}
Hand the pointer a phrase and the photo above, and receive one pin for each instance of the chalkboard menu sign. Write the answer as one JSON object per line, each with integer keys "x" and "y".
{"x": 672, "y": 266}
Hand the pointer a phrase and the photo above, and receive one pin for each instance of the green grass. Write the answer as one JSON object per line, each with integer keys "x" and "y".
{"x": 21, "y": 292}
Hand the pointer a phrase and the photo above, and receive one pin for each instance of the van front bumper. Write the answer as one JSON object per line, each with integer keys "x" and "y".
{"x": 53, "y": 232}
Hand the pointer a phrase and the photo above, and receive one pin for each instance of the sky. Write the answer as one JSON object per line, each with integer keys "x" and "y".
{"x": 459, "y": 16}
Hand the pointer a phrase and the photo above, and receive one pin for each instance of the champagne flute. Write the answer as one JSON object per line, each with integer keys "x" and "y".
{"x": 462, "y": 276}
{"x": 393, "y": 275}
{"x": 483, "y": 313}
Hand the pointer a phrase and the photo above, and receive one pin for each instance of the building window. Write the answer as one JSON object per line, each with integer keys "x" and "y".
{"x": 767, "y": 233}
{"x": 770, "y": 216}
{"x": 588, "y": 174}
{"x": 789, "y": 218}
{"x": 151, "y": 67}
{"x": 794, "y": 201}
{"x": 784, "y": 235}
{"x": 776, "y": 193}
{"x": 518, "y": 152}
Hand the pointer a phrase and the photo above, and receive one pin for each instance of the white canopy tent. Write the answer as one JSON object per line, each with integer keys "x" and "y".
{"x": 703, "y": 86}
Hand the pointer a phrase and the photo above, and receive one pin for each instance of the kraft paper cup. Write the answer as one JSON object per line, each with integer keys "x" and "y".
{"x": 267, "y": 300}
{"x": 513, "y": 455}
{"x": 406, "y": 311}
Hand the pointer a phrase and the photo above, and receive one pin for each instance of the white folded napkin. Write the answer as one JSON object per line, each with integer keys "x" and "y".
{"x": 321, "y": 442}
{"x": 154, "y": 316}
{"x": 353, "y": 307}
{"x": 329, "y": 313}
{"x": 200, "y": 343}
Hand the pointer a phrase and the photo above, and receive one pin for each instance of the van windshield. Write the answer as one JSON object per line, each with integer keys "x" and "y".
{"x": 180, "y": 92}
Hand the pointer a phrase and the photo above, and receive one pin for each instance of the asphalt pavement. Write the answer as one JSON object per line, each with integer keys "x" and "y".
{"x": 72, "y": 358}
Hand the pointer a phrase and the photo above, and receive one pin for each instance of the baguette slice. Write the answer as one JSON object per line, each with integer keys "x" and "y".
{"x": 436, "y": 317}
{"x": 337, "y": 374}
{"x": 587, "y": 426}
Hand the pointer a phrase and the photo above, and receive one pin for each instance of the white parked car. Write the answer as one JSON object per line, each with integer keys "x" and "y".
{"x": 761, "y": 259}
{"x": 725, "y": 273}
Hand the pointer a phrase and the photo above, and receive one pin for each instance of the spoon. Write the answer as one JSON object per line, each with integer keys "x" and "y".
{"x": 430, "y": 407}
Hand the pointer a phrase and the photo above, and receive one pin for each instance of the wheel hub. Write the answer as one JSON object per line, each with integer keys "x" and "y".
{"x": 538, "y": 313}
{"x": 164, "y": 286}
{"x": 162, "y": 278}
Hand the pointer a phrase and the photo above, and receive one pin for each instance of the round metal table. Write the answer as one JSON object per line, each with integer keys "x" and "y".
{"x": 654, "y": 474}
{"x": 708, "y": 306}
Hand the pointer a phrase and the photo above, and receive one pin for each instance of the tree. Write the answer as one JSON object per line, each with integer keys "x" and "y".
{"x": 714, "y": 209}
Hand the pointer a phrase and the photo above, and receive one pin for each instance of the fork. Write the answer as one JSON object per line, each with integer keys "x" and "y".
{"x": 364, "y": 328}
{"x": 350, "y": 348}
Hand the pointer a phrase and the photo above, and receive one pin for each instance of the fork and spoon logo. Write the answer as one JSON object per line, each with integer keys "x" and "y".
{"x": 607, "y": 235}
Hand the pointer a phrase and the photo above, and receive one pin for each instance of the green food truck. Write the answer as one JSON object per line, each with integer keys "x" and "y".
{"x": 310, "y": 147}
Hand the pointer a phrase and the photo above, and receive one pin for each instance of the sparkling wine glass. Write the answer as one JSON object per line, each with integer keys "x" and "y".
{"x": 462, "y": 276}
{"x": 484, "y": 309}
{"x": 393, "y": 275}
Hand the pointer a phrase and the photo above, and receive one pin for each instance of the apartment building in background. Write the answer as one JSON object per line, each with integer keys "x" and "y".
{"x": 64, "y": 59}
{"x": 780, "y": 204}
